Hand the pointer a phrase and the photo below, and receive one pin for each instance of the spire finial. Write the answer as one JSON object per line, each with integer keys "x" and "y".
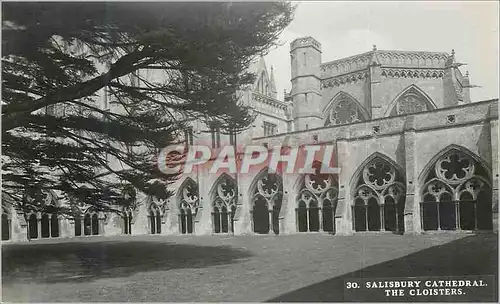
{"x": 374, "y": 47}
{"x": 452, "y": 52}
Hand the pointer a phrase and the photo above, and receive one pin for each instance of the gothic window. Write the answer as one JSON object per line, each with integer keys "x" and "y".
{"x": 456, "y": 195}
{"x": 87, "y": 224}
{"x": 269, "y": 128}
{"x": 154, "y": 219}
{"x": 266, "y": 201}
{"x": 316, "y": 203}
{"x": 128, "y": 200}
{"x": 412, "y": 100}
{"x": 6, "y": 224}
{"x": 188, "y": 206}
{"x": 91, "y": 223}
{"x": 33, "y": 226}
{"x": 127, "y": 221}
{"x": 224, "y": 206}
{"x": 215, "y": 132}
{"x": 78, "y": 223}
{"x": 188, "y": 136}
{"x": 379, "y": 198}
{"x": 345, "y": 110}
{"x": 49, "y": 220}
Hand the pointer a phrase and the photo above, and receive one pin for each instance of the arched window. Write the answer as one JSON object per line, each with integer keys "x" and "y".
{"x": 266, "y": 201}
{"x": 224, "y": 204}
{"x": 87, "y": 224}
{"x": 127, "y": 221}
{"x": 379, "y": 198}
{"x": 154, "y": 219}
{"x": 457, "y": 194}
{"x": 411, "y": 100}
{"x": 5, "y": 226}
{"x": 128, "y": 200}
{"x": 344, "y": 109}
{"x": 188, "y": 206}
{"x": 33, "y": 226}
{"x": 95, "y": 224}
{"x": 78, "y": 223}
{"x": 91, "y": 223}
{"x": 46, "y": 202}
{"x": 316, "y": 203}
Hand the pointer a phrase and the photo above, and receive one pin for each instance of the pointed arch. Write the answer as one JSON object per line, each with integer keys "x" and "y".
{"x": 223, "y": 197}
{"x": 456, "y": 192}
{"x": 266, "y": 193}
{"x": 378, "y": 195}
{"x": 188, "y": 204}
{"x": 356, "y": 175}
{"x": 6, "y": 222}
{"x": 223, "y": 177}
{"x": 430, "y": 165}
{"x": 411, "y": 100}
{"x": 343, "y": 108}
{"x": 316, "y": 201}
{"x": 154, "y": 218}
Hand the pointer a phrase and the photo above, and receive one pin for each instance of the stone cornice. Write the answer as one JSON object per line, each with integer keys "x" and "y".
{"x": 269, "y": 100}
{"x": 352, "y": 77}
{"x": 400, "y": 59}
{"x": 397, "y": 72}
{"x": 424, "y": 121}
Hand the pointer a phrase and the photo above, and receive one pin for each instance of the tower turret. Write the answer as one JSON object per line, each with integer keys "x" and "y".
{"x": 306, "y": 83}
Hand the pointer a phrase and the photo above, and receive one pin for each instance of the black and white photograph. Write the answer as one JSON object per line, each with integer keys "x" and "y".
{"x": 249, "y": 151}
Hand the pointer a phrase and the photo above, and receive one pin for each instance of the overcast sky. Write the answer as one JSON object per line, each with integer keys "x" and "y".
{"x": 349, "y": 28}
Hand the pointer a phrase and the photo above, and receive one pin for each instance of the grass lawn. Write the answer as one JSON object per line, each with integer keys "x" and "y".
{"x": 230, "y": 268}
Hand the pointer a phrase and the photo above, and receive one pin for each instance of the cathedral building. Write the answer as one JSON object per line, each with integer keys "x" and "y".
{"x": 416, "y": 155}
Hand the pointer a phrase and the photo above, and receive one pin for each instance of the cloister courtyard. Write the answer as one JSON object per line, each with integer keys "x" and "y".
{"x": 304, "y": 267}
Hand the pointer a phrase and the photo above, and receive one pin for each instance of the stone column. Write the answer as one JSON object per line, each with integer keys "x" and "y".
{"x": 494, "y": 162}
{"x": 39, "y": 223}
{"x": 343, "y": 216}
{"x": 243, "y": 223}
{"x": 412, "y": 206}
{"x": 271, "y": 212}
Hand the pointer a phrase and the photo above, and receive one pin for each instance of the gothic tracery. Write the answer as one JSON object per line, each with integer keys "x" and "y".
{"x": 345, "y": 110}
{"x": 188, "y": 206}
{"x": 456, "y": 194}
{"x": 267, "y": 200}
{"x": 316, "y": 203}
{"x": 224, "y": 205}
{"x": 379, "y": 198}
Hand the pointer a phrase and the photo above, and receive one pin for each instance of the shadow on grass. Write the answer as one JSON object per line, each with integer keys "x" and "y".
{"x": 88, "y": 261}
{"x": 472, "y": 255}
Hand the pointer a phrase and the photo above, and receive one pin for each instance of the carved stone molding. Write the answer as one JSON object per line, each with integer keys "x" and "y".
{"x": 343, "y": 79}
{"x": 412, "y": 73}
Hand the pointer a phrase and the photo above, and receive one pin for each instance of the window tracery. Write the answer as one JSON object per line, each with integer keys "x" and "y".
{"x": 154, "y": 218}
{"x": 412, "y": 100}
{"x": 456, "y": 195}
{"x": 224, "y": 206}
{"x": 46, "y": 203}
{"x": 316, "y": 203}
{"x": 267, "y": 200}
{"x": 345, "y": 110}
{"x": 188, "y": 206}
{"x": 379, "y": 198}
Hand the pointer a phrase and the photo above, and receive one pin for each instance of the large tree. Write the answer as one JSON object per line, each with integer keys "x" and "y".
{"x": 58, "y": 58}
